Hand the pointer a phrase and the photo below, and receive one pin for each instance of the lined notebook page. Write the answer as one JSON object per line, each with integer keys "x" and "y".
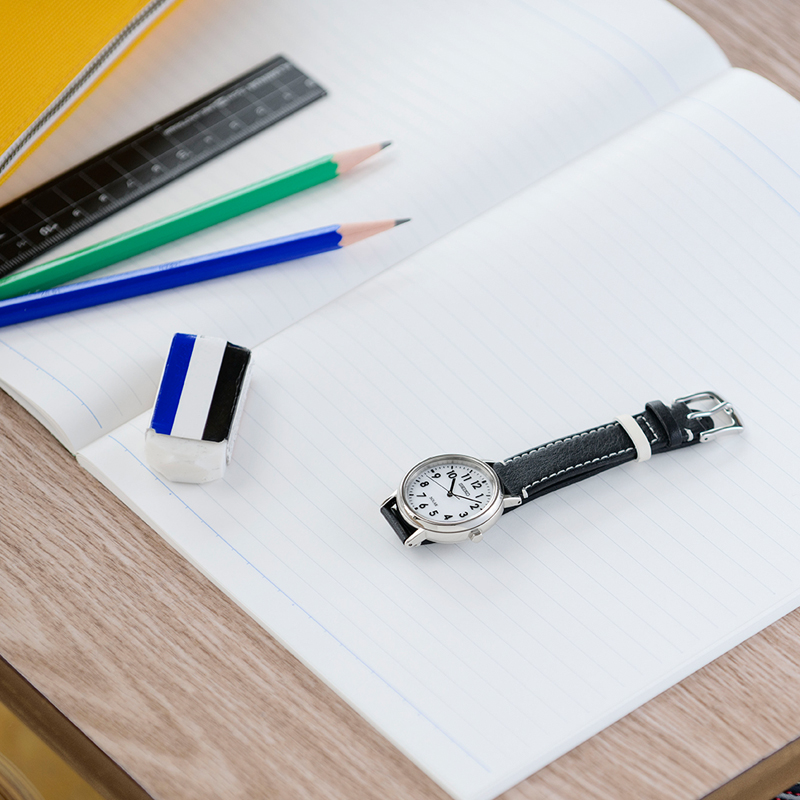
{"x": 661, "y": 264}
{"x": 480, "y": 103}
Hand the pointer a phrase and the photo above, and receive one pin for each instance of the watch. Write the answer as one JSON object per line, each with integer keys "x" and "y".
{"x": 452, "y": 498}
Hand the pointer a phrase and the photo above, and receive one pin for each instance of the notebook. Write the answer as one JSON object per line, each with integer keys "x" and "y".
{"x": 604, "y": 214}
{"x": 51, "y": 59}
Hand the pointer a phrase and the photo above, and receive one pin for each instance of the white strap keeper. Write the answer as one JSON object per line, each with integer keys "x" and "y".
{"x": 640, "y": 441}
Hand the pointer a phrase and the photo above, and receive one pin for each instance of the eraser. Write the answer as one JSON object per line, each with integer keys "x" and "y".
{"x": 198, "y": 408}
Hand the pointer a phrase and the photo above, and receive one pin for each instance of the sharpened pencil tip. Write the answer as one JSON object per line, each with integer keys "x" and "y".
{"x": 353, "y": 232}
{"x": 347, "y": 159}
{"x": 385, "y": 144}
{"x": 401, "y": 221}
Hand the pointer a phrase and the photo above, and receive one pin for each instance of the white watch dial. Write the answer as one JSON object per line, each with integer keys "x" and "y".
{"x": 449, "y": 493}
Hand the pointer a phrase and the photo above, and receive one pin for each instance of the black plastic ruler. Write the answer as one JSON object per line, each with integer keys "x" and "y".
{"x": 133, "y": 168}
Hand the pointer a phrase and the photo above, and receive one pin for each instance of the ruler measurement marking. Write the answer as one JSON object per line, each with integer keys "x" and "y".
{"x": 151, "y": 158}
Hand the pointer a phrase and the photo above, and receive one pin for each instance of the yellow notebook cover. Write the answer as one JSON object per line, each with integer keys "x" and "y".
{"x": 51, "y": 53}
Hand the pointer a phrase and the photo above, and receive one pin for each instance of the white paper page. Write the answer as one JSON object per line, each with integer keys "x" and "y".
{"x": 480, "y": 99}
{"x": 662, "y": 264}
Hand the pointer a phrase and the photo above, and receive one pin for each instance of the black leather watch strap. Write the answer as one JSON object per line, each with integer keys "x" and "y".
{"x": 397, "y": 523}
{"x": 564, "y": 461}
{"x": 658, "y": 429}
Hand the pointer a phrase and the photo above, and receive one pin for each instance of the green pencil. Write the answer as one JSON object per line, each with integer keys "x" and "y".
{"x": 103, "y": 254}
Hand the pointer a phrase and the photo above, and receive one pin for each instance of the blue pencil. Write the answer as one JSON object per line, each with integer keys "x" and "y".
{"x": 191, "y": 270}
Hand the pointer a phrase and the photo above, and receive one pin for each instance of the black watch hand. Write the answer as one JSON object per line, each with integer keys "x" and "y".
{"x": 450, "y": 490}
{"x": 452, "y": 494}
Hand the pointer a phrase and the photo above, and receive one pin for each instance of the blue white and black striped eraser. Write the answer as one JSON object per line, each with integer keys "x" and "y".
{"x": 198, "y": 408}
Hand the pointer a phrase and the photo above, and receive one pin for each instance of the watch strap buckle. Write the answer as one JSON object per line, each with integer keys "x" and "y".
{"x": 721, "y": 412}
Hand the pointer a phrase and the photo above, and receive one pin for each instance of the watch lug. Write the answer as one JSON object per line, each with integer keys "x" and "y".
{"x": 511, "y": 501}
{"x": 389, "y": 501}
{"x": 416, "y": 538}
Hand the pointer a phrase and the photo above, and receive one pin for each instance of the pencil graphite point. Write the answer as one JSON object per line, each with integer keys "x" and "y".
{"x": 385, "y": 144}
{"x": 345, "y": 160}
{"x": 353, "y": 232}
{"x": 401, "y": 221}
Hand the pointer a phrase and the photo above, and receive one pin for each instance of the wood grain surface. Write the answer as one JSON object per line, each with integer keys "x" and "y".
{"x": 195, "y": 700}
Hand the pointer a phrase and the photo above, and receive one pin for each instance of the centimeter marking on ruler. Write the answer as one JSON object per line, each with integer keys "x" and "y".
{"x": 131, "y": 169}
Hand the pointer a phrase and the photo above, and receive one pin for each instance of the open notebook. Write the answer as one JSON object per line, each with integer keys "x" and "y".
{"x": 604, "y": 214}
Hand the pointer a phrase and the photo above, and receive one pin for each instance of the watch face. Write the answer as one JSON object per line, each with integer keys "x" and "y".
{"x": 450, "y": 490}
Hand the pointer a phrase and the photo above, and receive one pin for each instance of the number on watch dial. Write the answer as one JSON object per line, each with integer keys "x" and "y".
{"x": 448, "y": 493}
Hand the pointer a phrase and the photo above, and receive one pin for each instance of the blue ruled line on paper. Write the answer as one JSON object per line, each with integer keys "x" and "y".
{"x": 734, "y": 155}
{"x": 625, "y": 37}
{"x": 333, "y": 636}
{"x": 744, "y": 130}
{"x": 592, "y": 45}
{"x": 50, "y": 375}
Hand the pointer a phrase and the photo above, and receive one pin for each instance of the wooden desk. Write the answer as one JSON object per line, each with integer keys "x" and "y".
{"x": 196, "y": 701}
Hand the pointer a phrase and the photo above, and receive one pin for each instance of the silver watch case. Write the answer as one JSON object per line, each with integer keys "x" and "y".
{"x": 450, "y": 533}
